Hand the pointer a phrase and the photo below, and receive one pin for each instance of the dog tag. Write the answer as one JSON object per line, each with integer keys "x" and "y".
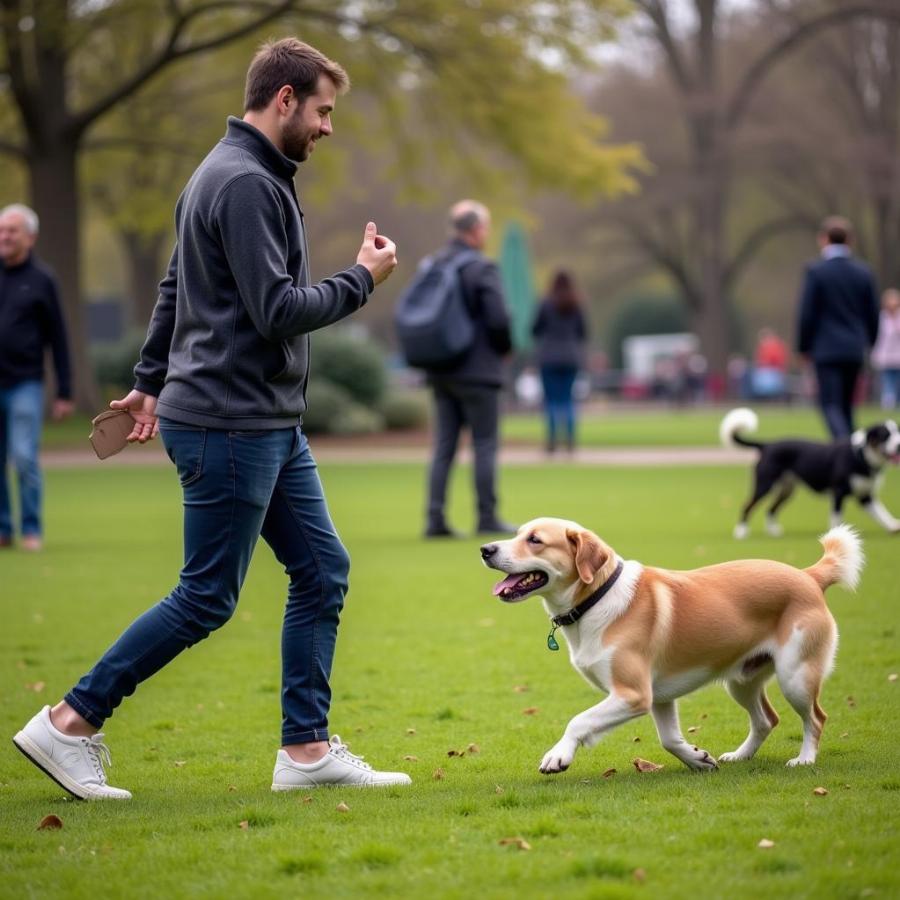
{"x": 551, "y": 641}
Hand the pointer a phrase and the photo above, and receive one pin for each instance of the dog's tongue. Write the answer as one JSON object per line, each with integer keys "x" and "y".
{"x": 508, "y": 582}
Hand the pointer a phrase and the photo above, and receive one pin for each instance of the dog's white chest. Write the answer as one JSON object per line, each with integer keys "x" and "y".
{"x": 593, "y": 662}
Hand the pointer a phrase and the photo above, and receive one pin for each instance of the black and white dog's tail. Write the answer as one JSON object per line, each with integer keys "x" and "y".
{"x": 735, "y": 424}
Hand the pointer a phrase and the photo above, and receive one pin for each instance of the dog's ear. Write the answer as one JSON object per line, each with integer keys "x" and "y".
{"x": 589, "y": 553}
{"x": 877, "y": 435}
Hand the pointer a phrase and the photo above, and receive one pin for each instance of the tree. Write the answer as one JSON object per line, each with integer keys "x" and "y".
{"x": 70, "y": 63}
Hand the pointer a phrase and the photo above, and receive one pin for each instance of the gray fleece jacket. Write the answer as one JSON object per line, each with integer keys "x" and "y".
{"x": 228, "y": 343}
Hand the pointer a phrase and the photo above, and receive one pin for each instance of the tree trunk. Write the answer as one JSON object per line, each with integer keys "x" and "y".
{"x": 143, "y": 253}
{"x": 52, "y": 169}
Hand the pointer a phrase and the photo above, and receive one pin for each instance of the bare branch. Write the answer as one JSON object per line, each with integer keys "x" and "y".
{"x": 657, "y": 12}
{"x": 754, "y": 75}
{"x": 757, "y": 239}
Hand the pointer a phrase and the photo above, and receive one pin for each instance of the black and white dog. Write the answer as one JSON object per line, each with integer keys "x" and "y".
{"x": 852, "y": 466}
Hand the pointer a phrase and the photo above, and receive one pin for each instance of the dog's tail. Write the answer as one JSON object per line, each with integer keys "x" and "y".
{"x": 843, "y": 560}
{"x": 734, "y": 424}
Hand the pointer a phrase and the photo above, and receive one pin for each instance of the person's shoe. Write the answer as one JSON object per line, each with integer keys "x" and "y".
{"x": 76, "y": 764}
{"x": 337, "y": 767}
{"x": 497, "y": 526}
{"x": 441, "y": 531}
{"x": 31, "y": 542}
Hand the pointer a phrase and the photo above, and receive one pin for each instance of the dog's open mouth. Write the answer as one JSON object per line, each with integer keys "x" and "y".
{"x": 521, "y": 584}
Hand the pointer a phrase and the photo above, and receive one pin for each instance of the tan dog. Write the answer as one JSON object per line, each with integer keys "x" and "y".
{"x": 647, "y": 636}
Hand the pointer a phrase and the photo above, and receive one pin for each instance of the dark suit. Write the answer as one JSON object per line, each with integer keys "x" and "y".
{"x": 469, "y": 393}
{"x": 837, "y": 325}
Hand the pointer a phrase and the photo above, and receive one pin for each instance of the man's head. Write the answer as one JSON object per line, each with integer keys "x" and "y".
{"x": 835, "y": 230}
{"x": 890, "y": 300}
{"x": 290, "y": 94}
{"x": 470, "y": 222}
{"x": 18, "y": 232}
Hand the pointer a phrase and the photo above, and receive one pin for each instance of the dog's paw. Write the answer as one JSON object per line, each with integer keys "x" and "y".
{"x": 741, "y": 530}
{"x": 773, "y": 528}
{"x": 701, "y": 761}
{"x": 732, "y": 756}
{"x": 800, "y": 761}
{"x": 559, "y": 758}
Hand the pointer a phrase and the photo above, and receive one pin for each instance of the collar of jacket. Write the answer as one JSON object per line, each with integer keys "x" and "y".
{"x": 254, "y": 141}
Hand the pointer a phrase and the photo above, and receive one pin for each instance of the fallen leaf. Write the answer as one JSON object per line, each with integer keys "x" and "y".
{"x": 644, "y": 765}
{"x": 498, "y": 789}
{"x": 410, "y": 730}
{"x": 820, "y": 791}
{"x": 411, "y": 758}
{"x": 50, "y": 823}
{"x": 693, "y": 728}
{"x": 530, "y": 711}
{"x": 635, "y": 740}
{"x": 639, "y": 875}
{"x": 519, "y": 842}
{"x": 244, "y": 825}
{"x": 307, "y": 800}
{"x": 521, "y": 688}
{"x": 765, "y": 844}
{"x": 851, "y": 702}
{"x": 232, "y": 788}
{"x": 892, "y": 676}
{"x": 179, "y": 763}
{"x": 609, "y": 773}
{"x": 438, "y": 774}
{"x": 456, "y": 753}
{"x": 704, "y": 716}
{"x": 37, "y": 687}
{"x": 342, "y": 807}
{"x": 473, "y": 748}
{"x": 845, "y": 734}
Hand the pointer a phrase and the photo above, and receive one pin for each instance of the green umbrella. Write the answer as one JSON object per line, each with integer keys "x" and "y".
{"x": 518, "y": 283}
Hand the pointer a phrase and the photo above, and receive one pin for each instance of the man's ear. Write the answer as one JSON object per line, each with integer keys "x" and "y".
{"x": 588, "y": 552}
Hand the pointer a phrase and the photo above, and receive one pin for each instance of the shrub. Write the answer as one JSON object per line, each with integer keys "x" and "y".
{"x": 647, "y": 314}
{"x": 331, "y": 410}
{"x": 356, "y": 366}
{"x": 405, "y": 409}
{"x": 114, "y": 362}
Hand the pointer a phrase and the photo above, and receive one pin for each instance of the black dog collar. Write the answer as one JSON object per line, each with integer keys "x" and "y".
{"x": 573, "y": 615}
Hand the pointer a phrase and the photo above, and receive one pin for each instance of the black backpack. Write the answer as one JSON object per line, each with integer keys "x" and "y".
{"x": 432, "y": 319}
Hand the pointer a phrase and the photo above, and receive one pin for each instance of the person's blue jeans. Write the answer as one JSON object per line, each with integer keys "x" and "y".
{"x": 238, "y": 485}
{"x": 559, "y": 405}
{"x": 890, "y": 388}
{"x": 21, "y": 417}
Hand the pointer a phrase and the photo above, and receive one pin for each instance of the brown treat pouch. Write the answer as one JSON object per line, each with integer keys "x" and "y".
{"x": 110, "y": 432}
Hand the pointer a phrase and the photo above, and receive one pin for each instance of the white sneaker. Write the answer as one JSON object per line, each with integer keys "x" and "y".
{"x": 337, "y": 767}
{"x": 76, "y": 764}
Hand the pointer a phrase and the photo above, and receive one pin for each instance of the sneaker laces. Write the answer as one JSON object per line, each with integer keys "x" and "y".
{"x": 99, "y": 755}
{"x": 342, "y": 751}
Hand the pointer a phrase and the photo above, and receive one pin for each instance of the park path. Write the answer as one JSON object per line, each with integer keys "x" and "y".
{"x": 415, "y": 449}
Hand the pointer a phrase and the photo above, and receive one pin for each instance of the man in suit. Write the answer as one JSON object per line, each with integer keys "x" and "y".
{"x": 838, "y": 322}
{"x": 469, "y": 393}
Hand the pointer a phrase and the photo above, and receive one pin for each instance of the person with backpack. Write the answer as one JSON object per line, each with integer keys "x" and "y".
{"x": 456, "y": 301}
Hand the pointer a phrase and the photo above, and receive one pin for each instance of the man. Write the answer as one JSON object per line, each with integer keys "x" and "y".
{"x": 30, "y": 321}
{"x": 469, "y": 393}
{"x": 222, "y": 377}
{"x": 838, "y": 322}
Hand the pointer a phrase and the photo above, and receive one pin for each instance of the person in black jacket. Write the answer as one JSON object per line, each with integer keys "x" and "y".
{"x": 222, "y": 377}
{"x": 468, "y": 394}
{"x": 837, "y": 322}
{"x": 561, "y": 334}
{"x": 30, "y": 321}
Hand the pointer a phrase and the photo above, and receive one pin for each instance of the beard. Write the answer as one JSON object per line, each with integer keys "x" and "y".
{"x": 297, "y": 140}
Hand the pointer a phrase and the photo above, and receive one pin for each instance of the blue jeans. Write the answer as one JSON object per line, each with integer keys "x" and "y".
{"x": 559, "y": 405}
{"x": 21, "y": 417}
{"x": 890, "y": 388}
{"x": 238, "y": 485}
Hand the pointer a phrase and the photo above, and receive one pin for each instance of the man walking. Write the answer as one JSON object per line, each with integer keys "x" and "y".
{"x": 468, "y": 394}
{"x": 837, "y": 322}
{"x": 222, "y": 377}
{"x": 30, "y": 321}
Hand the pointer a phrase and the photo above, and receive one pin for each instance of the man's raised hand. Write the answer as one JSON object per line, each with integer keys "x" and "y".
{"x": 378, "y": 254}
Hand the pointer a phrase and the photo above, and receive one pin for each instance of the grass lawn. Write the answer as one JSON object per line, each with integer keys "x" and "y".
{"x": 429, "y": 662}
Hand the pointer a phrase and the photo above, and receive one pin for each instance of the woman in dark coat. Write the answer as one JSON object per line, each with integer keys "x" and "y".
{"x": 561, "y": 334}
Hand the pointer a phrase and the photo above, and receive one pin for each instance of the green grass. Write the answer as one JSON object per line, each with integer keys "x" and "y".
{"x": 691, "y": 427}
{"x": 424, "y": 647}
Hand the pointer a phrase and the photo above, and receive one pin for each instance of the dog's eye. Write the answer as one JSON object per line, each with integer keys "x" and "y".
{"x": 534, "y": 539}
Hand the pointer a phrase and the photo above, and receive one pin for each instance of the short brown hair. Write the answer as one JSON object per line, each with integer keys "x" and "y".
{"x": 290, "y": 62}
{"x": 837, "y": 230}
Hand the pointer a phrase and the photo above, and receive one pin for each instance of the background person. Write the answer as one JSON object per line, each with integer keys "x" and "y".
{"x": 770, "y": 361}
{"x": 561, "y": 333}
{"x": 30, "y": 321}
{"x": 468, "y": 394}
{"x": 886, "y": 352}
{"x": 223, "y": 376}
{"x": 837, "y": 322}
